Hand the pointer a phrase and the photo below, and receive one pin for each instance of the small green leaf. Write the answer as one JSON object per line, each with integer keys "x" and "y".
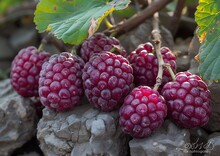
{"x": 74, "y": 20}
{"x": 208, "y": 19}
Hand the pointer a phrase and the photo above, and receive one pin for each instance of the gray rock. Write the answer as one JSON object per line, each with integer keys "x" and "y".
{"x": 169, "y": 140}
{"x": 213, "y": 124}
{"x": 182, "y": 63}
{"x": 194, "y": 46}
{"x": 30, "y": 154}
{"x": 142, "y": 34}
{"x": 6, "y": 52}
{"x": 17, "y": 119}
{"x": 193, "y": 51}
{"x": 198, "y": 135}
{"x": 194, "y": 65}
{"x": 213, "y": 145}
{"x": 83, "y": 131}
{"x": 198, "y": 139}
{"x": 51, "y": 49}
{"x": 23, "y": 37}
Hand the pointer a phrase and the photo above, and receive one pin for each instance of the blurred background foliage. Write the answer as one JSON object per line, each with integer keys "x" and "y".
{"x": 7, "y": 4}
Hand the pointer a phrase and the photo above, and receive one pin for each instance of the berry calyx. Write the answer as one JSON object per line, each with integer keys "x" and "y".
{"x": 107, "y": 79}
{"x": 100, "y": 43}
{"x": 188, "y": 100}
{"x": 60, "y": 83}
{"x": 142, "y": 112}
{"x": 25, "y": 71}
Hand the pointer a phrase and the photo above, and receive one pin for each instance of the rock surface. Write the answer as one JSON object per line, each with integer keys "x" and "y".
{"x": 23, "y": 37}
{"x": 17, "y": 119}
{"x": 83, "y": 131}
{"x": 6, "y": 51}
{"x": 193, "y": 51}
{"x": 213, "y": 146}
{"x": 169, "y": 140}
{"x": 198, "y": 141}
{"x": 213, "y": 124}
{"x": 142, "y": 34}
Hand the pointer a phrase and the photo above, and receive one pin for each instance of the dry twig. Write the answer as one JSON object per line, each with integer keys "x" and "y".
{"x": 157, "y": 42}
{"x": 138, "y": 18}
{"x": 175, "y": 20}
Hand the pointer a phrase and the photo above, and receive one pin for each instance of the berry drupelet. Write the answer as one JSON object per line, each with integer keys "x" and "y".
{"x": 188, "y": 100}
{"x": 100, "y": 43}
{"x": 25, "y": 71}
{"x": 145, "y": 64}
{"x": 60, "y": 83}
{"x": 107, "y": 79}
{"x": 142, "y": 112}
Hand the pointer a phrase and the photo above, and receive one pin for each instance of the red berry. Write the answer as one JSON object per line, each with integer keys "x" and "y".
{"x": 25, "y": 71}
{"x": 60, "y": 83}
{"x": 145, "y": 64}
{"x": 99, "y": 43}
{"x": 142, "y": 112}
{"x": 107, "y": 79}
{"x": 188, "y": 100}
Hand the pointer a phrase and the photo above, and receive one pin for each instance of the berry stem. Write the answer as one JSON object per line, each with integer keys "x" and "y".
{"x": 167, "y": 65}
{"x": 157, "y": 42}
{"x": 43, "y": 42}
{"x": 73, "y": 51}
{"x": 137, "y": 19}
{"x": 108, "y": 24}
{"x": 41, "y": 47}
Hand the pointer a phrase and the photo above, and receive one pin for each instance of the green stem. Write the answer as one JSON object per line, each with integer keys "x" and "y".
{"x": 167, "y": 65}
{"x": 73, "y": 51}
{"x": 41, "y": 47}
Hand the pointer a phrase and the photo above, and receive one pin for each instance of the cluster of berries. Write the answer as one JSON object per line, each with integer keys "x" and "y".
{"x": 114, "y": 80}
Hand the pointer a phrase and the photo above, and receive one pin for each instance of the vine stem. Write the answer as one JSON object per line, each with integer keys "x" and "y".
{"x": 175, "y": 21}
{"x": 167, "y": 65}
{"x": 43, "y": 42}
{"x": 157, "y": 42}
{"x": 126, "y": 26}
{"x": 40, "y": 48}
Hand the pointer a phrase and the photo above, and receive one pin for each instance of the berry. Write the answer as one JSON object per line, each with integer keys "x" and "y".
{"x": 107, "y": 79}
{"x": 25, "y": 71}
{"x": 100, "y": 43}
{"x": 145, "y": 64}
{"x": 60, "y": 83}
{"x": 142, "y": 112}
{"x": 188, "y": 100}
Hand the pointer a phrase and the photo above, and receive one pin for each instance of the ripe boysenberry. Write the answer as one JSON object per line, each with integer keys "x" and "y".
{"x": 188, "y": 100}
{"x": 107, "y": 79}
{"x": 60, "y": 83}
{"x": 25, "y": 71}
{"x": 145, "y": 64}
{"x": 142, "y": 112}
{"x": 100, "y": 43}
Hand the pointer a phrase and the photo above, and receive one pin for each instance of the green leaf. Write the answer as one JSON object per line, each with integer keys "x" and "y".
{"x": 208, "y": 19}
{"x": 126, "y": 13}
{"x": 210, "y": 60}
{"x": 74, "y": 20}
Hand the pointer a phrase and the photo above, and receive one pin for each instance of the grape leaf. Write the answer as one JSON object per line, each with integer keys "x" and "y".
{"x": 74, "y": 20}
{"x": 208, "y": 17}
